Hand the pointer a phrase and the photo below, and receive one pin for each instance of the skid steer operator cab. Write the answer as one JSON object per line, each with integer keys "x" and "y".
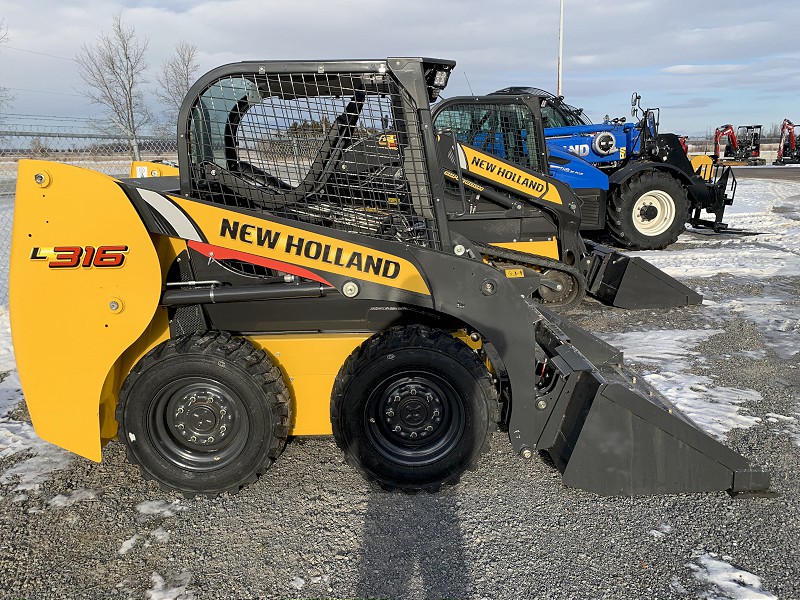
{"x": 335, "y": 148}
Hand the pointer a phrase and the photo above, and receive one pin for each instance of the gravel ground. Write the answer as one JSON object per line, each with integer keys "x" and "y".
{"x": 312, "y": 528}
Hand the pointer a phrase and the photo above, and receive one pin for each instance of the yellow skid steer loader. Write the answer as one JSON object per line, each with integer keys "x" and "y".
{"x": 310, "y": 272}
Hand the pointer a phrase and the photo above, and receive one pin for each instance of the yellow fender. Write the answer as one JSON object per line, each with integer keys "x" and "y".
{"x": 84, "y": 286}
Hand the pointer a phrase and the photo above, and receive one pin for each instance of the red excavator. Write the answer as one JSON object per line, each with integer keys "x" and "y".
{"x": 788, "y": 150}
{"x": 743, "y": 146}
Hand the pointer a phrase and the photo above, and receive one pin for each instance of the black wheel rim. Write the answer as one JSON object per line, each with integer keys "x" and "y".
{"x": 414, "y": 418}
{"x": 198, "y": 424}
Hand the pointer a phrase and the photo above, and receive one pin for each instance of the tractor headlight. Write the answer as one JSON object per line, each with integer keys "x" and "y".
{"x": 604, "y": 143}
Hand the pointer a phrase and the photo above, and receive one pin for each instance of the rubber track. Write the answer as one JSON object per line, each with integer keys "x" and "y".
{"x": 542, "y": 262}
{"x": 416, "y": 336}
{"x": 236, "y": 350}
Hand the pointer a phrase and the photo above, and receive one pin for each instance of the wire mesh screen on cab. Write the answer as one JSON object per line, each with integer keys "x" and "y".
{"x": 341, "y": 150}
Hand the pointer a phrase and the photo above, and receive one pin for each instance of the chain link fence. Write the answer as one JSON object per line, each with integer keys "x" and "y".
{"x": 78, "y": 142}
{"x": 81, "y": 142}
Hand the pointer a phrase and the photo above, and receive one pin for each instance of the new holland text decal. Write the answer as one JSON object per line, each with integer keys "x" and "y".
{"x": 493, "y": 169}
{"x": 87, "y": 257}
{"x": 310, "y": 249}
{"x": 300, "y": 248}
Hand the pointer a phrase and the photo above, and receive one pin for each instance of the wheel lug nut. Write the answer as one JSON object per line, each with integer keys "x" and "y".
{"x": 413, "y": 434}
{"x": 179, "y": 426}
{"x": 397, "y": 398}
{"x": 397, "y": 428}
{"x": 210, "y": 439}
{"x": 413, "y": 391}
{"x": 223, "y": 429}
{"x": 428, "y": 397}
{"x": 390, "y": 413}
{"x": 429, "y": 428}
{"x": 436, "y": 413}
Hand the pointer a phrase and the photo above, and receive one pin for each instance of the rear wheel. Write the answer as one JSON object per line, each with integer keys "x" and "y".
{"x": 649, "y": 211}
{"x": 204, "y": 414}
{"x": 412, "y": 408}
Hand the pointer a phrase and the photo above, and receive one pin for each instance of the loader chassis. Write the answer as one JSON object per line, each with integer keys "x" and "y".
{"x": 308, "y": 275}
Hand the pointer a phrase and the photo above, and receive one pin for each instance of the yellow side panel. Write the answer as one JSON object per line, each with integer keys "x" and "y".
{"x": 143, "y": 168}
{"x": 548, "y": 248}
{"x": 310, "y": 363}
{"x": 157, "y": 331}
{"x": 70, "y": 324}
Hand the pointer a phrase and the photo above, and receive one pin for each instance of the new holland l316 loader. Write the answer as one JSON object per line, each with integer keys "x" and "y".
{"x": 313, "y": 270}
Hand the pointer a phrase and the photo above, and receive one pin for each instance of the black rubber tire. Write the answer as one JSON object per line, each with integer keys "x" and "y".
{"x": 241, "y": 394}
{"x": 663, "y": 189}
{"x": 433, "y": 371}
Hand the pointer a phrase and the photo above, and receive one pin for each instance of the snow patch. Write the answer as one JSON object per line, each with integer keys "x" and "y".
{"x": 61, "y": 501}
{"x": 726, "y": 581}
{"x": 662, "y": 531}
{"x": 128, "y": 544}
{"x": 715, "y": 409}
{"x": 17, "y": 437}
{"x": 788, "y": 425}
{"x": 771, "y": 208}
{"x": 176, "y": 590}
{"x": 161, "y": 508}
{"x": 777, "y": 318}
{"x": 297, "y": 583}
{"x": 160, "y": 535}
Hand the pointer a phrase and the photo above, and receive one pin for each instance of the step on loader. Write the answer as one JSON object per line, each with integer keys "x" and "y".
{"x": 307, "y": 273}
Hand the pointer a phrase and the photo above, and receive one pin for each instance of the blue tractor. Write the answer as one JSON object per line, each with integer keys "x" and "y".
{"x": 635, "y": 183}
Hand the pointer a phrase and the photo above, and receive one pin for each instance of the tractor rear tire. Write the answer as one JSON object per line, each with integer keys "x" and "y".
{"x": 204, "y": 413}
{"x": 649, "y": 211}
{"x": 412, "y": 408}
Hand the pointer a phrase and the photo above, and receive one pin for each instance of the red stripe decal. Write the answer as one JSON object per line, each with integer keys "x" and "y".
{"x": 220, "y": 253}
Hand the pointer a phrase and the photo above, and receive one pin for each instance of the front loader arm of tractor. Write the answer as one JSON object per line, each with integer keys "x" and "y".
{"x": 84, "y": 286}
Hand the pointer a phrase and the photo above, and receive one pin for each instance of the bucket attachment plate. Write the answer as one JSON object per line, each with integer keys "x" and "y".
{"x": 630, "y": 446}
{"x": 632, "y": 282}
{"x": 613, "y": 435}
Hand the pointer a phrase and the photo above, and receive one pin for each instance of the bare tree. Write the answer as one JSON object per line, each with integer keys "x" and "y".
{"x": 177, "y": 76}
{"x": 114, "y": 71}
{"x": 5, "y": 94}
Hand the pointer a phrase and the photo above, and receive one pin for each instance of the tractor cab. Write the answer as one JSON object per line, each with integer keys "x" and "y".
{"x": 555, "y": 112}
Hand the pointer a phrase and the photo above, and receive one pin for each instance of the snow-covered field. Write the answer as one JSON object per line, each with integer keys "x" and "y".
{"x": 312, "y": 528}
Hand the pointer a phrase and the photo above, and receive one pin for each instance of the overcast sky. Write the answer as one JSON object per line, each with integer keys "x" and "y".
{"x": 704, "y": 62}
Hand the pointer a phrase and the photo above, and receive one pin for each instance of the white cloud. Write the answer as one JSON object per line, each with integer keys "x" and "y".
{"x": 688, "y": 47}
{"x": 703, "y": 69}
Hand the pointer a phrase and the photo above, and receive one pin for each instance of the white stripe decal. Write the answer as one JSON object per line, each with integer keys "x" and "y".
{"x": 182, "y": 226}
{"x": 462, "y": 158}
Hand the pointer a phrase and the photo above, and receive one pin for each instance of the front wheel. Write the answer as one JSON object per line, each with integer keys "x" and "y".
{"x": 648, "y": 211}
{"x": 412, "y": 408}
{"x": 204, "y": 413}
